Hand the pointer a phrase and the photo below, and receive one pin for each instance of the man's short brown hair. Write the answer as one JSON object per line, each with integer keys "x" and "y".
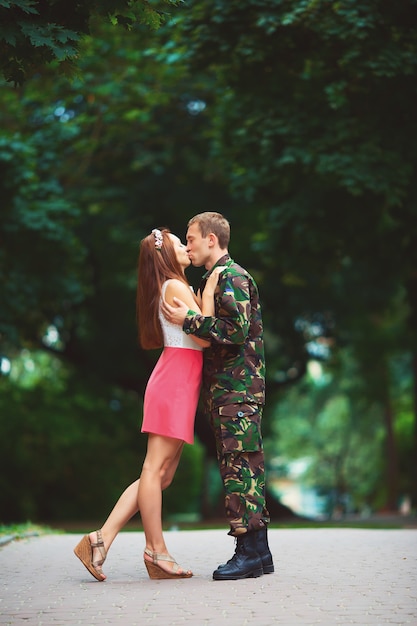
{"x": 212, "y": 222}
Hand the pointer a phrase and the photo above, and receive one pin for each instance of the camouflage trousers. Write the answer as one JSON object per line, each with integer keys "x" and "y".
{"x": 237, "y": 429}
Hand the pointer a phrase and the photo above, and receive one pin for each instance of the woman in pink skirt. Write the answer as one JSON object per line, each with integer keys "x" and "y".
{"x": 170, "y": 403}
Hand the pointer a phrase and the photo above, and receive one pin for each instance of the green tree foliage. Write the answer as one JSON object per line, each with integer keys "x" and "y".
{"x": 292, "y": 118}
{"x": 48, "y": 421}
{"x": 68, "y": 449}
{"x": 340, "y": 431}
{"x": 89, "y": 168}
{"x": 315, "y": 125}
{"x": 125, "y": 153}
{"x": 37, "y": 226}
{"x": 33, "y": 33}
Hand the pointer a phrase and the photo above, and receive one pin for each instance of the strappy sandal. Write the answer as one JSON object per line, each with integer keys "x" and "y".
{"x": 84, "y": 551}
{"x": 155, "y": 571}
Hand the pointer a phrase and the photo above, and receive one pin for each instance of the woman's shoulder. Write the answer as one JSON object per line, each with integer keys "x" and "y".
{"x": 175, "y": 284}
{"x": 175, "y": 288}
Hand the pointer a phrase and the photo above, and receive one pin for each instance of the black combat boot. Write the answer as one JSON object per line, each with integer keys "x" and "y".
{"x": 245, "y": 563}
{"x": 263, "y": 550}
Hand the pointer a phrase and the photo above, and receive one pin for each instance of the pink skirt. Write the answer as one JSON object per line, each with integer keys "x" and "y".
{"x": 172, "y": 393}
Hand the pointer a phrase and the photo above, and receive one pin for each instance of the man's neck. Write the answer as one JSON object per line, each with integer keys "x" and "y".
{"x": 214, "y": 257}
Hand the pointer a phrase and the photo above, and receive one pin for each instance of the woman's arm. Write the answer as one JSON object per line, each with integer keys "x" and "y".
{"x": 207, "y": 299}
{"x": 235, "y": 306}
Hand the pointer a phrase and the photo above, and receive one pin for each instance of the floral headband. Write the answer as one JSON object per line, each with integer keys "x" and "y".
{"x": 158, "y": 238}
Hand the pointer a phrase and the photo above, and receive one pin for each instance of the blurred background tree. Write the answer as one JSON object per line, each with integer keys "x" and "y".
{"x": 34, "y": 33}
{"x": 294, "y": 119}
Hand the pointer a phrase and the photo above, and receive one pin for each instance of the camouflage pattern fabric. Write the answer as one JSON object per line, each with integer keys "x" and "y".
{"x": 234, "y": 364}
{"x": 234, "y": 392}
{"x": 237, "y": 430}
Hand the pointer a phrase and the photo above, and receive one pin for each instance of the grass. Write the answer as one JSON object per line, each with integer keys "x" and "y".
{"x": 19, "y": 531}
{"x": 28, "y": 529}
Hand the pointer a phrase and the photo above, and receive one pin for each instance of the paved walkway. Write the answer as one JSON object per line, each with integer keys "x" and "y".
{"x": 336, "y": 576}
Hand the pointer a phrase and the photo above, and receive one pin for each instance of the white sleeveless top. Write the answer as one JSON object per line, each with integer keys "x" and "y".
{"x": 174, "y": 336}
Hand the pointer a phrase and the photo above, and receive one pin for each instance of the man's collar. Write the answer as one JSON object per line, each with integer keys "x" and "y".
{"x": 222, "y": 261}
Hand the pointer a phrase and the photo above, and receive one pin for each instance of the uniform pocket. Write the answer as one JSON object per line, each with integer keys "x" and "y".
{"x": 237, "y": 427}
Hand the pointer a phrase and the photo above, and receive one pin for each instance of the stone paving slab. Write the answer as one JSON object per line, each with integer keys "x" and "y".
{"x": 323, "y": 576}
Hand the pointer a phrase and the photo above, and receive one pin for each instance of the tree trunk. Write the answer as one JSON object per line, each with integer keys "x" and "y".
{"x": 392, "y": 459}
{"x": 412, "y": 324}
{"x": 414, "y": 454}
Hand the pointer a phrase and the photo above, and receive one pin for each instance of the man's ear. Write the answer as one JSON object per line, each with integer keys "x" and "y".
{"x": 212, "y": 240}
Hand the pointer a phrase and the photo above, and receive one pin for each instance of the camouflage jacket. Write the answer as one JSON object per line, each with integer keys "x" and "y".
{"x": 234, "y": 364}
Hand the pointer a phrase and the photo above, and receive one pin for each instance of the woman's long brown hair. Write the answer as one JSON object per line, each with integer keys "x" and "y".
{"x": 154, "y": 268}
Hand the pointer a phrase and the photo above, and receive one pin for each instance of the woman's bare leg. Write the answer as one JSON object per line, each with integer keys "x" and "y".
{"x": 124, "y": 509}
{"x": 127, "y": 506}
{"x": 162, "y": 456}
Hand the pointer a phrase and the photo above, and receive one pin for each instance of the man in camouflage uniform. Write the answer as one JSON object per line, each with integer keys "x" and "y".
{"x": 233, "y": 390}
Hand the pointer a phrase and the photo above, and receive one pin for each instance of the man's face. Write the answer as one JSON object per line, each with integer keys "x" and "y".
{"x": 197, "y": 246}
